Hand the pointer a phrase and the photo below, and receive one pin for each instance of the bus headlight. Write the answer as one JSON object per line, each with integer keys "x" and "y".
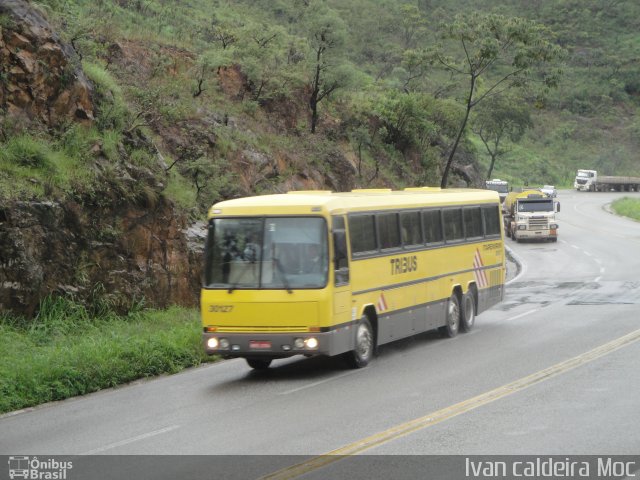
{"x": 553, "y": 226}
{"x": 298, "y": 343}
{"x": 522, "y": 227}
{"x": 212, "y": 342}
{"x": 224, "y": 343}
{"x": 312, "y": 343}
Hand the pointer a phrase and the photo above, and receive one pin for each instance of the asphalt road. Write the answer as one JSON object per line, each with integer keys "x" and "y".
{"x": 551, "y": 370}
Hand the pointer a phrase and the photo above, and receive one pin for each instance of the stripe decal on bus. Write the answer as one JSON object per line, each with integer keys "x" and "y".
{"x": 478, "y": 272}
{"x": 430, "y": 279}
{"x": 382, "y": 303}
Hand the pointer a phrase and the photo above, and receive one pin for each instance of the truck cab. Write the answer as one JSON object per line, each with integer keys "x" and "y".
{"x": 585, "y": 180}
{"x": 531, "y": 215}
{"x": 500, "y": 186}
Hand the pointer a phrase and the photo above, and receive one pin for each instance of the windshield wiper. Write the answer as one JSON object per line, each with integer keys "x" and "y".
{"x": 282, "y": 274}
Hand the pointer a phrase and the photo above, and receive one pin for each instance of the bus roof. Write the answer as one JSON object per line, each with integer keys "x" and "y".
{"x": 317, "y": 201}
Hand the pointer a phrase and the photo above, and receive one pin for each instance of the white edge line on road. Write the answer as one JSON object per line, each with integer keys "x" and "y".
{"x": 587, "y": 254}
{"x": 575, "y": 246}
{"x": 523, "y": 314}
{"x": 320, "y": 382}
{"x": 597, "y": 279}
{"x": 601, "y": 269}
{"x": 598, "y": 261}
{"x": 131, "y": 440}
{"x": 523, "y": 266}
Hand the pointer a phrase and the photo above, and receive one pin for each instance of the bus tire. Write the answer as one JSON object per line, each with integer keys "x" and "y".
{"x": 468, "y": 311}
{"x": 450, "y": 329}
{"x": 364, "y": 346}
{"x": 259, "y": 363}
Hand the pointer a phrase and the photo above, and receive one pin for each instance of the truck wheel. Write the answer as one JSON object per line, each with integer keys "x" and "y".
{"x": 452, "y": 326}
{"x": 363, "y": 352}
{"x": 259, "y": 363}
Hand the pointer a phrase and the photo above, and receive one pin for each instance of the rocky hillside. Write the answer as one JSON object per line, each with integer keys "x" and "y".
{"x": 122, "y": 121}
{"x": 118, "y": 230}
{"x": 41, "y": 81}
{"x": 113, "y": 243}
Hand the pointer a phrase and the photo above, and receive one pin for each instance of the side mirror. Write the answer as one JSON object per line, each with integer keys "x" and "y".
{"x": 557, "y": 206}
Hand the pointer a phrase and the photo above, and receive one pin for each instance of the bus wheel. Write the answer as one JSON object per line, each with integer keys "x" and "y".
{"x": 259, "y": 363}
{"x": 453, "y": 318}
{"x": 468, "y": 313}
{"x": 362, "y": 354}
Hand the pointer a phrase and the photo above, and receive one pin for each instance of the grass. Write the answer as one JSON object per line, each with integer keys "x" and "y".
{"x": 70, "y": 350}
{"x": 628, "y": 207}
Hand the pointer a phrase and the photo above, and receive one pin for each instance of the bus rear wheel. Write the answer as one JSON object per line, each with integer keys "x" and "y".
{"x": 363, "y": 352}
{"x": 450, "y": 329}
{"x": 259, "y": 363}
{"x": 468, "y": 313}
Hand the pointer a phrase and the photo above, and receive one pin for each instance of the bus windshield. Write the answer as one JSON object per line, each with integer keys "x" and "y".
{"x": 267, "y": 253}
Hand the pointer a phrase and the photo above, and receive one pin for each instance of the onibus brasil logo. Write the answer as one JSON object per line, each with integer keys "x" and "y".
{"x": 33, "y": 468}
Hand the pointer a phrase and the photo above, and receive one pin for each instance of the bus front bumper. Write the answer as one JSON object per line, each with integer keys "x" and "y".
{"x": 273, "y": 345}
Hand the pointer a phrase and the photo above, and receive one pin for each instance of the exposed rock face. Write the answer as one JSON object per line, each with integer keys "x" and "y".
{"x": 128, "y": 251}
{"x": 134, "y": 253}
{"x": 38, "y": 77}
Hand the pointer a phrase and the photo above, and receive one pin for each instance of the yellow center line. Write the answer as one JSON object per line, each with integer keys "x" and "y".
{"x": 451, "y": 411}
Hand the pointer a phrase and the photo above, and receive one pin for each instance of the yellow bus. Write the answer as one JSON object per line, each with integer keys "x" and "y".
{"x": 325, "y": 273}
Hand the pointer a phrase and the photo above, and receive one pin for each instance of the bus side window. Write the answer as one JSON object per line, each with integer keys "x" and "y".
{"x": 341, "y": 259}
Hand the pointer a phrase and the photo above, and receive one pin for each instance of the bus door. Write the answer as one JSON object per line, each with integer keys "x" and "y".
{"x": 342, "y": 289}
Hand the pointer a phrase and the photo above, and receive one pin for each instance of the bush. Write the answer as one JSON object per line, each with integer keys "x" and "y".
{"x": 27, "y": 151}
{"x": 70, "y": 350}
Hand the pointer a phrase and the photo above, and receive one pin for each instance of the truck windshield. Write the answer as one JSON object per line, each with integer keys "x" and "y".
{"x": 266, "y": 253}
{"x": 585, "y": 174}
{"x": 545, "y": 205}
{"x": 498, "y": 188}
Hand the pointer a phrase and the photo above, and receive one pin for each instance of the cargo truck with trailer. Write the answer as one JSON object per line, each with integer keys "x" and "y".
{"x": 590, "y": 181}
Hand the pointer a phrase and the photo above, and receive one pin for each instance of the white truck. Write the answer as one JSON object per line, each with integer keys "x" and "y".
{"x": 590, "y": 181}
{"x": 497, "y": 185}
{"x": 530, "y": 215}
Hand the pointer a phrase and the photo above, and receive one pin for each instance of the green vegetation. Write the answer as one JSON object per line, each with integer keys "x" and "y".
{"x": 205, "y": 100}
{"x": 71, "y": 350}
{"x": 627, "y": 207}
{"x": 207, "y": 71}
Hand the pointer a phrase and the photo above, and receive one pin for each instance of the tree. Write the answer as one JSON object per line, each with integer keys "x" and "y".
{"x": 503, "y": 118}
{"x": 326, "y": 33}
{"x": 225, "y": 33}
{"x": 413, "y": 25}
{"x": 408, "y": 119}
{"x": 207, "y": 64}
{"x": 263, "y": 57}
{"x": 496, "y": 53}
